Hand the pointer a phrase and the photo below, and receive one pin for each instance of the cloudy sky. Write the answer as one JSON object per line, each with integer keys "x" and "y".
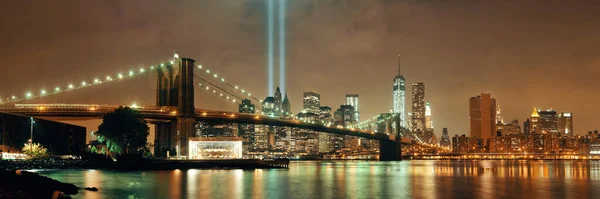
{"x": 527, "y": 54}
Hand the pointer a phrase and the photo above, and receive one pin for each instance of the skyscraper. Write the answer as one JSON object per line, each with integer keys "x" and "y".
{"x": 418, "y": 107}
{"x": 482, "y": 116}
{"x": 312, "y": 102}
{"x": 499, "y": 119}
{"x": 352, "y": 99}
{"x": 246, "y": 131}
{"x": 445, "y": 141}
{"x": 565, "y": 123}
{"x": 285, "y": 107}
{"x": 278, "y": 100}
{"x": 548, "y": 121}
{"x": 399, "y": 95}
{"x": 428, "y": 122}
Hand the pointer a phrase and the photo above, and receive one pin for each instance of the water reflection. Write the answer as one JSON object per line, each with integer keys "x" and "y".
{"x": 407, "y": 179}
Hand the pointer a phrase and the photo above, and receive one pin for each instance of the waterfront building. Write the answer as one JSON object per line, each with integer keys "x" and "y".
{"x": 548, "y": 121}
{"x": 215, "y": 148}
{"x": 482, "y": 116}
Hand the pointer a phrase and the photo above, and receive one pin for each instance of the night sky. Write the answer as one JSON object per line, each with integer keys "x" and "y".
{"x": 525, "y": 53}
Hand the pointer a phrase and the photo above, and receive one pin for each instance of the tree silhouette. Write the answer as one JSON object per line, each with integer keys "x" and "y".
{"x": 124, "y": 132}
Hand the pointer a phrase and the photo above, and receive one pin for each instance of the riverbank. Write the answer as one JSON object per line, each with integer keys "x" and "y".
{"x": 23, "y": 184}
{"x": 141, "y": 164}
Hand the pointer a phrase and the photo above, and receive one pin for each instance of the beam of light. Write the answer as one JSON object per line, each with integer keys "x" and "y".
{"x": 282, "y": 45}
{"x": 270, "y": 45}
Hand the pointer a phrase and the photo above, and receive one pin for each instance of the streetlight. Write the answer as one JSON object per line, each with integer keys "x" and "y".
{"x": 31, "y": 133}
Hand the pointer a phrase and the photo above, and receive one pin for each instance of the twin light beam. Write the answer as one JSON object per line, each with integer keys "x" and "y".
{"x": 270, "y": 44}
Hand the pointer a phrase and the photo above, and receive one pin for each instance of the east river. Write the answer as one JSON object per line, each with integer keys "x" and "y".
{"x": 352, "y": 179}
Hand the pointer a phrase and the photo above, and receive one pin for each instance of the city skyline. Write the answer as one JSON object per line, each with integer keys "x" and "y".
{"x": 544, "y": 74}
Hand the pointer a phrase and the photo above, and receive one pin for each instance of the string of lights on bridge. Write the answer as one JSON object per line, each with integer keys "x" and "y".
{"x": 84, "y": 84}
{"x": 225, "y": 96}
{"x": 222, "y": 80}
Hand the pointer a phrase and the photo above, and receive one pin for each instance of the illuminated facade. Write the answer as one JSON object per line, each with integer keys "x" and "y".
{"x": 565, "y": 123}
{"x": 285, "y": 107}
{"x": 311, "y": 102}
{"x": 352, "y": 100}
{"x": 399, "y": 96}
{"x": 482, "y": 116}
{"x": 215, "y": 148}
{"x": 418, "y": 107}
{"x": 246, "y": 131}
{"x": 428, "y": 122}
{"x": 548, "y": 121}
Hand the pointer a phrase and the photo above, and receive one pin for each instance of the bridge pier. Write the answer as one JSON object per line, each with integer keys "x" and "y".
{"x": 389, "y": 150}
{"x": 175, "y": 87}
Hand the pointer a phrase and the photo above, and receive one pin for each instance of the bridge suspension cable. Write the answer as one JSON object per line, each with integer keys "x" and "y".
{"x": 222, "y": 80}
{"x": 206, "y": 87}
{"x": 84, "y": 84}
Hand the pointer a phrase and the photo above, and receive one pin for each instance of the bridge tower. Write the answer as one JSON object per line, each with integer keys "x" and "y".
{"x": 175, "y": 87}
{"x": 390, "y": 150}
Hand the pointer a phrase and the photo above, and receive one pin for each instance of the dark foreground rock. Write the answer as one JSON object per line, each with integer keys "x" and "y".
{"x": 90, "y": 189}
{"x": 23, "y": 184}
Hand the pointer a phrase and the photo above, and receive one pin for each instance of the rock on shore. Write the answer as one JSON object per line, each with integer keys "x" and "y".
{"x": 23, "y": 184}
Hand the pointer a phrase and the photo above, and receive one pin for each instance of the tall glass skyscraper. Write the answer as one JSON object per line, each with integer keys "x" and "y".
{"x": 352, "y": 99}
{"x": 399, "y": 96}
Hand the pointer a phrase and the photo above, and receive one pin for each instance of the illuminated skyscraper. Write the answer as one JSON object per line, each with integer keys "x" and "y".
{"x": 278, "y": 101}
{"x": 285, "y": 107}
{"x": 352, "y": 99}
{"x": 482, "y": 116}
{"x": 399, "y": 96}
{"x": 499, "y": 118}
{"x": 565, "y": 123}
{"x": 312, "y": 102}
{"x": 418, "y": 107}
{"x": 428, "y": 122}
{"x": 246, "y": 131}
{"x": 548, "y": 121}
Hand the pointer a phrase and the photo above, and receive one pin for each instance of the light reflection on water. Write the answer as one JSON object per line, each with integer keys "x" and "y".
{"x": 355, "y": 179}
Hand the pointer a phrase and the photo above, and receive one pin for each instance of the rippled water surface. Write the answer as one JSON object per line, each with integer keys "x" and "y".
{"x": 406, "y": 179}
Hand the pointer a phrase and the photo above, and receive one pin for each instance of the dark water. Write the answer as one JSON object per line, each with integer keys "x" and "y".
{"x": 407, "y": 179}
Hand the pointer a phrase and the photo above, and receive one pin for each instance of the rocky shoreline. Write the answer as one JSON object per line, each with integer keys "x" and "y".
{"x": 23, "y": 184}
